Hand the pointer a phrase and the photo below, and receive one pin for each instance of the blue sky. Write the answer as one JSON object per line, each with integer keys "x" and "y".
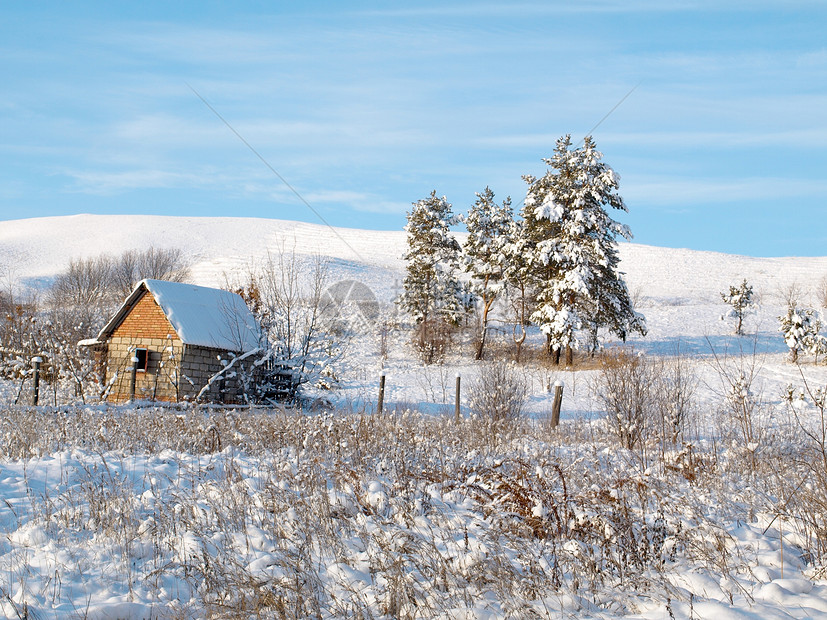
{"x": 365, "y": 107}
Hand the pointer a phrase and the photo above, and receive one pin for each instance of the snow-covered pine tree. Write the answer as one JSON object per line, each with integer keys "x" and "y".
{"x": 433, "y": 295}
{"x": 801, "y": 329}
{"x": 517, "y": 254}
{"x": 742, "y": 301}
{"x": 489, "y": 226}
{"x": 575, "y": 249}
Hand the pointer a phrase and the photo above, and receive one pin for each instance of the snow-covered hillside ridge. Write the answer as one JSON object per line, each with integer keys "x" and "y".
{"x": 32, "y": 251}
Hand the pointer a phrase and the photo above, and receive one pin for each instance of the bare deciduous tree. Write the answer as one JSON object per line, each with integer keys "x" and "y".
{"x": 87, "y": 282}
{"x": 155, "y": 263}
{"x": 302, "y": 335}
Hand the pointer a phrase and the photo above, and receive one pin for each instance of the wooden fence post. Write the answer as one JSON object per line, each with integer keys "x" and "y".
{"x": 381, "y": 402}
{"x": 558, "y": 401}
{"x": 36, "y": 361}
{"x": 135, "y": 361}
{"x": 457, "y": 416}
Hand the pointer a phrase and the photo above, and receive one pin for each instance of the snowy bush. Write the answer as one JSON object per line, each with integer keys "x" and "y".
{"x": 67, "y": 373}
{"x": 498, "y": 393}
{"x": 302, "y": 336}
{"x": 742, "y": 406}
{"x": 432, "y": 339}
{"x": 675, "y": 397}
{"x": 742, "y": 420}
{"x": 624, "y": 387}
{"x": 19, "y": 341}
{"x": 804, "y": 469}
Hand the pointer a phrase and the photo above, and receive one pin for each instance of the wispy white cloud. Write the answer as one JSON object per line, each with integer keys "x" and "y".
{"x": 252, "y": 184}
{"x": 365, "y": 110}
{"x": 674, "y": 191}
{"x": 358, "y": 201}
{"x": 813, "y": 59}
{"x": 110, "y": 183}
{"x": 813, "y": 137}
{"x": 337, "y": 196}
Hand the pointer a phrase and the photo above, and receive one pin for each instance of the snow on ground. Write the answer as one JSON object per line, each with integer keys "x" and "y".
{"x": 387, "y": 517}
{"x": 57, "y": 558}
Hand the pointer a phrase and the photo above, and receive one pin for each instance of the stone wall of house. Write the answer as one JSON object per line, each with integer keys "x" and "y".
{"x": 199, "y": 364}
{"x": 174, "y": 372}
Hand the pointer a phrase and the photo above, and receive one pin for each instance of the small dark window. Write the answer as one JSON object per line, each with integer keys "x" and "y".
{"x": 143, "y": 358}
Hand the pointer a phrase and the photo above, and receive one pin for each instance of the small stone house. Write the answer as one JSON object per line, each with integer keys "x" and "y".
{"x": 175, "y": 338}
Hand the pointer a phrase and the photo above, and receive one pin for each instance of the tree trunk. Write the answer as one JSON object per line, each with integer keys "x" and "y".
{"x": 480, "y": 343}
{"x": 484, "y": 330}
{"x": 569, "y": 355}
{"x": 518, "y": 341}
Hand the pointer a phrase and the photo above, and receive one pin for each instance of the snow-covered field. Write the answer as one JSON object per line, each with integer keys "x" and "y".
{"x": 130, "y": 512}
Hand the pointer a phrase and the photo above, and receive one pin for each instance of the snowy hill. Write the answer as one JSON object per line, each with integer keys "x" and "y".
{"x": 32, "y": 251}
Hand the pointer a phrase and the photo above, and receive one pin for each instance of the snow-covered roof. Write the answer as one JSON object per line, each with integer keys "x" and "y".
{"x": 201, "y": 316}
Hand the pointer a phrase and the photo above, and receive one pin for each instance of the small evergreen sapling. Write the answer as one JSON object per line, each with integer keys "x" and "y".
{"x": 742, "y": 301}
{"x": 800, "y": 328}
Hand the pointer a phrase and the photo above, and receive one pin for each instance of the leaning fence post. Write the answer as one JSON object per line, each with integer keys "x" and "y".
{"x": 381, "y": 402}
{"x": 456, "y": 404}
{"x": 135, "y": 361}
{"x": 36, "y": 361}
{"x": 558, "y": 401}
